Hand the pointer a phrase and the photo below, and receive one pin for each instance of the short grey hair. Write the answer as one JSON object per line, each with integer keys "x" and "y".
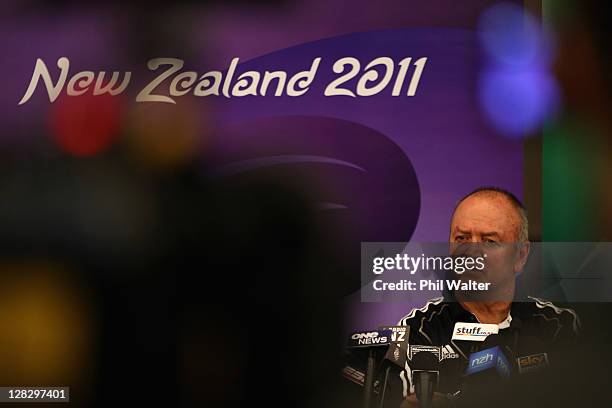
{"x": 523, "y": 232}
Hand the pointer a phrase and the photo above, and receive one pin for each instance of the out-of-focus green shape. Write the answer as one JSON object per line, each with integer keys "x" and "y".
{"x": 569, "y": 170}
{"x": 556, "y": 10}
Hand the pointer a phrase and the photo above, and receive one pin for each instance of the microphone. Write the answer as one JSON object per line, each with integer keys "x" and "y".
{"x": 396, "y": 353}
{"x": 425, "y": 376}
{"x": 384, "y": 351}
{"x": 394, "y": 360}
{"x": 486, "y": 377}
{"x": 491, "y": 360}
{"x": 532, "y": 363}
{"x": 371, "y": 343}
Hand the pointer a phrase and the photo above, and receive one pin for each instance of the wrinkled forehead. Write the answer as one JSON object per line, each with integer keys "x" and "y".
{"x": 485, "y": 213}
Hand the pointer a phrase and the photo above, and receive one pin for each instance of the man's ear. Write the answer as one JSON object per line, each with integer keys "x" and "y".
{"x": 522, "y": 256}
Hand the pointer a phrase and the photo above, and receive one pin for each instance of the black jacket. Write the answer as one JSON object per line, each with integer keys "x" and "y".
{"x": 536, "y": 328}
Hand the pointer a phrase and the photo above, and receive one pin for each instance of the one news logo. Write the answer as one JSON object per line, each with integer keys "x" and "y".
{"x": 474, "y": 331}
{"x": 370, "y": 338}
{"x": 532, "y": 362}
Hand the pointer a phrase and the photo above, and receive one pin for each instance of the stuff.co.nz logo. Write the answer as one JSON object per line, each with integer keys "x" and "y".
{"x": 473, "y": 331}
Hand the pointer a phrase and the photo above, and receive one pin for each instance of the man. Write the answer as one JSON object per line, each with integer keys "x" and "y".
{"x": 491, "y": 222}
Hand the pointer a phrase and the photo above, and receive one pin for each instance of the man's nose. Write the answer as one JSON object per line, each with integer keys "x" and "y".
{"x": 475, "y": 247}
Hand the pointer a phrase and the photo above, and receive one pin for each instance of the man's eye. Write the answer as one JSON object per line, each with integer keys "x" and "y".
{"x": 459, "y": 238}
{"x": 490, "y": 242}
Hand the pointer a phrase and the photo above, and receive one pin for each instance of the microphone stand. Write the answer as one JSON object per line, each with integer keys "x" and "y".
{"x": 368, "y": 386}
{"x": 384, "y": 388}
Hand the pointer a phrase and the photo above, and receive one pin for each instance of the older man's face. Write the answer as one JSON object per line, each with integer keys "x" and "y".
{"x": 488, "y": 224}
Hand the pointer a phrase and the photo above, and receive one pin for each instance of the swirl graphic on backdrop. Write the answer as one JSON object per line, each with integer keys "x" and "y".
{"x": 362, "y": 184}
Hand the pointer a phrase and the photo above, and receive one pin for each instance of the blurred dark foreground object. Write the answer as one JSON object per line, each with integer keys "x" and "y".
{"x": 199, "y": 293}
